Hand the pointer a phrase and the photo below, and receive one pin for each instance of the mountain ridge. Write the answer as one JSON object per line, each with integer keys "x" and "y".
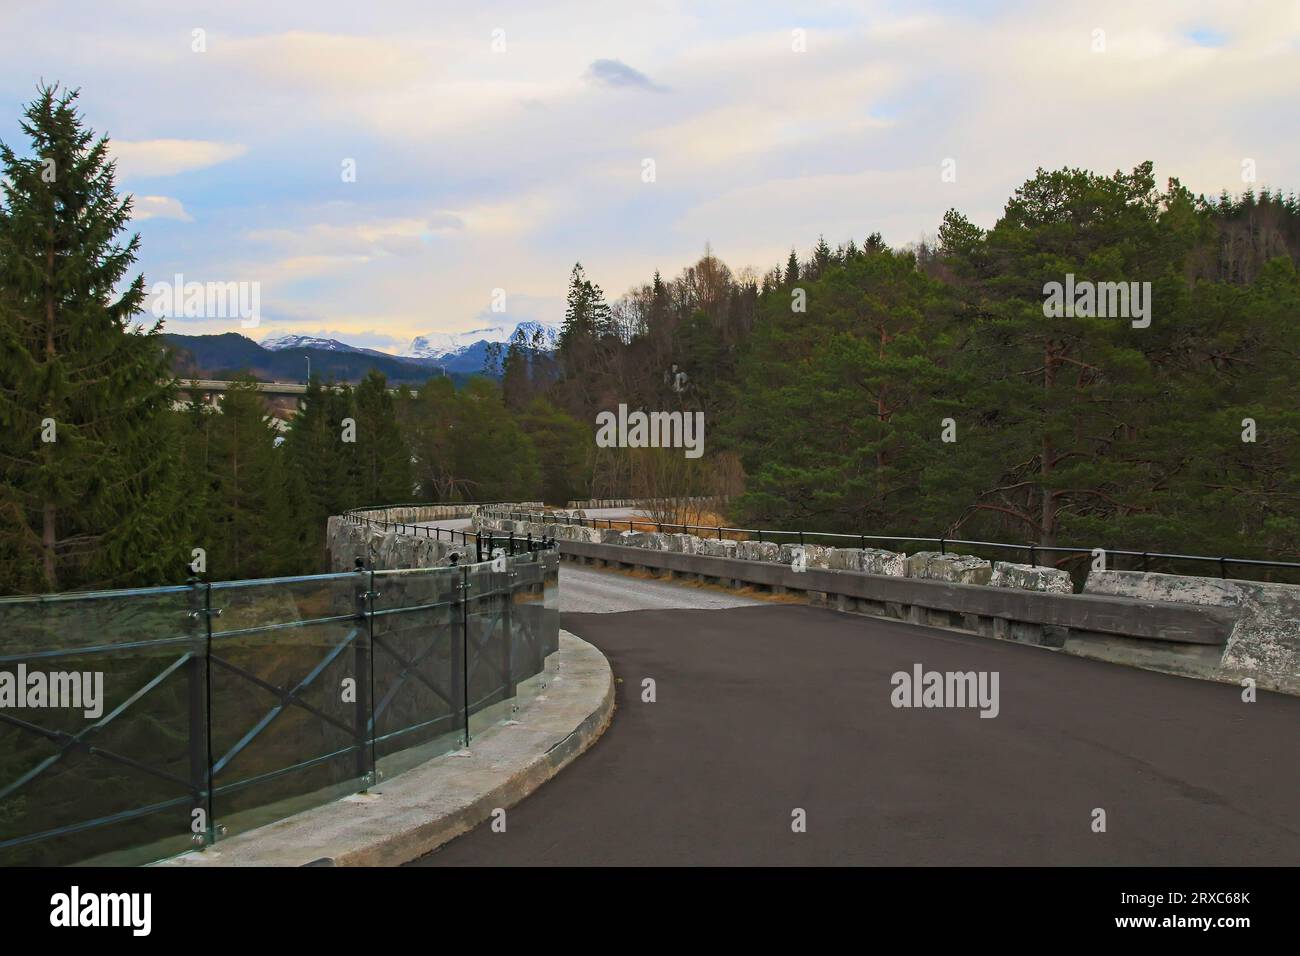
{"x": 285, "y": 357}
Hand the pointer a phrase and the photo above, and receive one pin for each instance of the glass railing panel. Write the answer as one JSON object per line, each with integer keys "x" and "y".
{"x": 102, "y": 727}
{"x": 534, "y": 625}
{"x": 304, "y": 687}
{"x": 489, "y": 670}
{"x": 291, "y": 685}
{"x": 418, "y": 673}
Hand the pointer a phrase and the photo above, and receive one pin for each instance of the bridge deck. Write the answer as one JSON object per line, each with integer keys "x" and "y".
{"x": 762, "y": 709}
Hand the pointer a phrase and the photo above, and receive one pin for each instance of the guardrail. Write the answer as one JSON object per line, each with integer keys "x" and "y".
{"x": 1031, "y": 616}
{"x": 586, "y": 503}
{"x": 1145, "y": 560}
{"x": 226, "y": 705}
{"x": 385, "y": 518}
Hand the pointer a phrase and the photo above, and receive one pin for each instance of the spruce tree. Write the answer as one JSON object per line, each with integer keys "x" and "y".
{"x": 515, "y": 383}
{"x": 312, "y": 457}
{"x": 254, "y": 504}
{"x": 792, "y": 269}
{"x": 89, "y": 487}
{"x": 383, "y": 455}
{"x": 562, "y": 444}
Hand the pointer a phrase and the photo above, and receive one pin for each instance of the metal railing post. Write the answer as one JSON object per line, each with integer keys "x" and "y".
{"x": 507, "y": 636}
{"x": 456, "y": 654}
{"x": 361, "y": 672}
{"x": 199, "y": 686}
{"x": 464, "y": 655}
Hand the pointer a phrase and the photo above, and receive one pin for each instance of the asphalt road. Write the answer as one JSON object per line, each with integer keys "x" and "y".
{"x": 764, "y": 709}
{"x": 588, "y": 590}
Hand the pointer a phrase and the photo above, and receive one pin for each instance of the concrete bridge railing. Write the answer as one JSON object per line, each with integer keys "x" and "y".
{"x": 399, "y": 536}
{"x": 1202, "y": 627}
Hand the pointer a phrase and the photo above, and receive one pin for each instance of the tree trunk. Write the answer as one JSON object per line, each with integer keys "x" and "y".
{"x": 1047, "y": 520}
{"x": 49, "y": 513}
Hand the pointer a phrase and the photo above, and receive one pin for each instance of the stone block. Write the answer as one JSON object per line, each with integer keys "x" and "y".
{"x": 717, "y": 548}
{"x": 757, "y": 551}
{"x": 816, "y": 555}
{"x": 878, "y": 561}
{"x": 684, "y": 543}
{"x": 1026, "y": 577}
{"x": 845, "y": 559}
{"x": 953, "y": 568}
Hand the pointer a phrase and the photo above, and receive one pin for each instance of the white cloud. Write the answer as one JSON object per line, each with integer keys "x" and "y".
{"x": 159, "y": 207}
{"x": 331, "y": 63}
{"x": 480, "y": 170}
{"x": 166, "y": 157}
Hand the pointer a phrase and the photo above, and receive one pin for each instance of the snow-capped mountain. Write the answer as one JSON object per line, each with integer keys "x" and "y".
{"x": 279, "y": 343}
{"x": 281, "y": 357}
{"x": 436, "y": 345}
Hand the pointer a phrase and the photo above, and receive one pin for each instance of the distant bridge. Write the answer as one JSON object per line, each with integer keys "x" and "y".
{"x": 276, "y": 393}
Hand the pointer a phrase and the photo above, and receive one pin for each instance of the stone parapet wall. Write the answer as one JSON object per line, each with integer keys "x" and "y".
{"x": 1258, "y": 624}
{"x": 924, "y": 565}
{"x": 593, "y": 503}
{"x": 1265, "y": 641}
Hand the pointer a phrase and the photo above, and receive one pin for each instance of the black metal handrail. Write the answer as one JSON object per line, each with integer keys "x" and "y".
{"x": 509, "y": 542}
{"x": 480, "y": 628}
{"x": 1031, "y": 550}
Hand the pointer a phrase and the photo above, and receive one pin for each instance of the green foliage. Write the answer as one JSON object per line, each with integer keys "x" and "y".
{"x": 254, "y": 515}
{"x": 1067, "y": 428}
{"x": 90, "y": 495}
{"x": 489, "y": 449}
{"x": 562, "y": 445}
{"x": 382, "y": 455}
{"x": 838, "y": 408}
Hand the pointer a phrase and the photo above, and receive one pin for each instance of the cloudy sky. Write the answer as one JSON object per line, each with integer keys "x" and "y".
{"x": 494, "y": 144}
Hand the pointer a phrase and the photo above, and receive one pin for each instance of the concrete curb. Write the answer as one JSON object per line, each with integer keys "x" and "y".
{"x": 418, "y": 811}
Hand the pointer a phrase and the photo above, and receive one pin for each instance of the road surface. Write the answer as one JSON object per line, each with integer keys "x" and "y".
{"x": 768, "y": 709}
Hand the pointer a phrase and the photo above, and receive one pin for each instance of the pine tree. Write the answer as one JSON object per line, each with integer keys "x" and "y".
{"x": 428, "y": 424}
{"x": 577, "y": 317}
{"x": 821, "y": 258}
{"x": 382, "y": 452}
{"x": 247, "y": 499}
{"x": 1076, "y": 402}
{"x": 492, "y": 457}
{"x": 312, "y": 452}
{"x": 89, "y": 487}
{"x": 562, "y": 443}
{"x": 515, "y": 379}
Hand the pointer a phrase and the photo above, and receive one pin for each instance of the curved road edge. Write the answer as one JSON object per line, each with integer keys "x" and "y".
{"x": 418, "y": 811}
